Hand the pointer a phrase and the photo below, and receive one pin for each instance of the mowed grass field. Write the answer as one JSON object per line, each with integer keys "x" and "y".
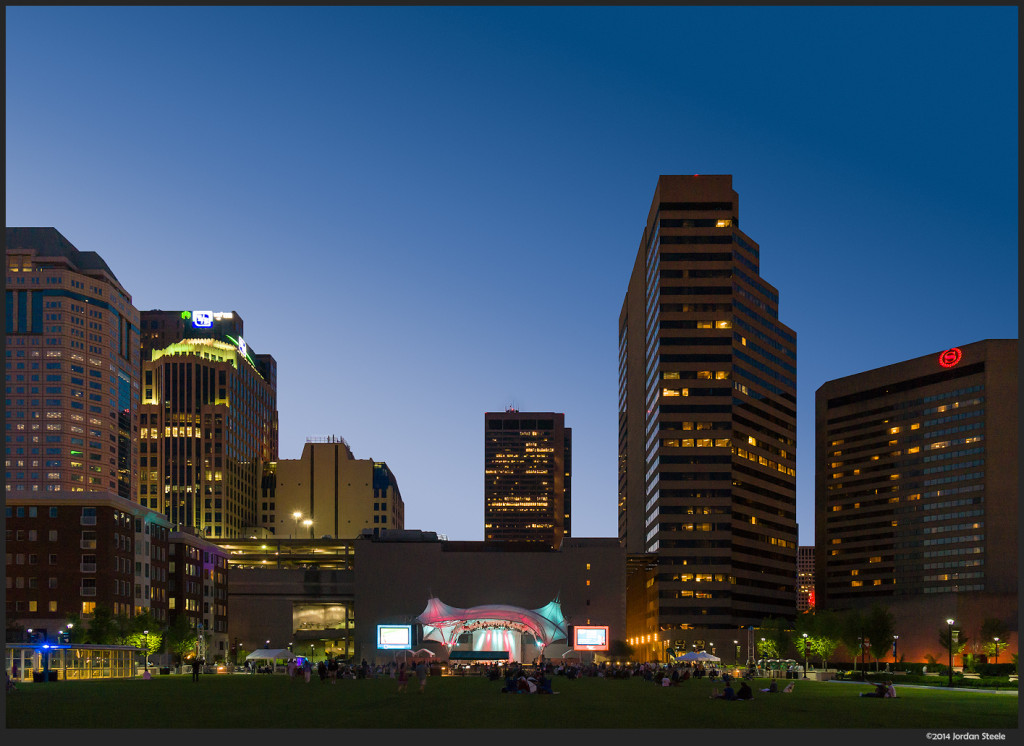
{"x": 242, "y": 702}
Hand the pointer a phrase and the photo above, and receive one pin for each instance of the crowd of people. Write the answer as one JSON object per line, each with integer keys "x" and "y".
{"x": 536, "y": 678}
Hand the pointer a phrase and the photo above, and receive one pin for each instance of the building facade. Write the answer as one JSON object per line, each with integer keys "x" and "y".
{"x": 208, "y": 421}
{"x": 527, "y": 477}
{"x": 707, "y": 422}
{"x": 916, "y": 480}
{"x": 397, "y": 574}
{"x": 68, "y": 553}
{"x": 328, "y": 492}
{"x": 72, "y": 361}
{"x": 805, "y": 598}
{"x": 198, "y": 590}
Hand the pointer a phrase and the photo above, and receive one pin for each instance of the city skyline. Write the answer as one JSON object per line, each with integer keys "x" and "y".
{"x": 433, "y": 211}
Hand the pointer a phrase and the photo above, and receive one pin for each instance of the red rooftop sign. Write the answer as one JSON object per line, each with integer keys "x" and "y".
{"x": 950, "y": 357}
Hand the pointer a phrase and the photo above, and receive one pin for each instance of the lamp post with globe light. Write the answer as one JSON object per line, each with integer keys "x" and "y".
{"x": 996, "y": 657}
{"x": 145, "y": 650}
{"x": 949, "y": 641}
{"x": 308, "y": 523}
{"x": 805, "y": 655}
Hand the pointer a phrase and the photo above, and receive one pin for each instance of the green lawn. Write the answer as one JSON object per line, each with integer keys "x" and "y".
{"x": 238, "y": 701}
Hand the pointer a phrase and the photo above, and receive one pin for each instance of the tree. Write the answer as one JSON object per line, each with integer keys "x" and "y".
{"x": 851, "y": 633}
{"x": 102, "y": 629}
{"x": 993, "y": 633}
{"x": 181, "y": 638}
{"x": 827, "y": 635}
{"x": 776, "y": 638}
{"x": 878, "y": 628}
{"x": 77, "y": 632}
{"x": 145, "y": 631}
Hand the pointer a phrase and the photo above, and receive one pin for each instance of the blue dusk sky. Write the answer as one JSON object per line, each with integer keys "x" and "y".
{"x": 428, "y": 213}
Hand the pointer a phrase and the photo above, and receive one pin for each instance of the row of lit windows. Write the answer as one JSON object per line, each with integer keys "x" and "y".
{"x": 744, "y": 453}
{"x": 696, "y": 442}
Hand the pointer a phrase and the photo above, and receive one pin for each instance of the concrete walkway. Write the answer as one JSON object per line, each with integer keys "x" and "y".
{"x": 899, "y": 686}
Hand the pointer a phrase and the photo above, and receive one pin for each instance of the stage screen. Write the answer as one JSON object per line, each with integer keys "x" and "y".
{"x": 590, "y": 638}
{"x": 394, "y": 637}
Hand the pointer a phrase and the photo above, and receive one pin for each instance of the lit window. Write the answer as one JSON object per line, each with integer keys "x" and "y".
{"x": 670, "y": 392}
{"x": 723, "y": 224}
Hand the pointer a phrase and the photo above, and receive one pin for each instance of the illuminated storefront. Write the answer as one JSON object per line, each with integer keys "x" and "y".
{"x": 50, "y": 662}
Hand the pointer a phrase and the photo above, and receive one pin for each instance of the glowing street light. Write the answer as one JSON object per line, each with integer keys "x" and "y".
{"x": 996, "y": 658}
{"x": 297, "y": 515}
{"x": 949, "y": 640}
{"x": 308, "y": 523}
{"x": 145, "y": 651}
{"x": 805, "y": 655}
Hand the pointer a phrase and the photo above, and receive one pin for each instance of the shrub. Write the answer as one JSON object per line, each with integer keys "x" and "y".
{"x": 997, "y": 669}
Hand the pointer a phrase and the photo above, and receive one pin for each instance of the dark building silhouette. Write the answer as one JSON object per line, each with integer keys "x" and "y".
{"x": 707, "y": 426}
{"x": 527, "y": 477}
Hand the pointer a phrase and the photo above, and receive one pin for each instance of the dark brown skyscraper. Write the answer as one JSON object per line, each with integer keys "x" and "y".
{"x": 527, "y": 465}
{"x": 916, "y": 490}
{"x": 707, "y": 426}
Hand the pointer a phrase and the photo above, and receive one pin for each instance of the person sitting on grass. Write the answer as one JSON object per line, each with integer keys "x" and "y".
{"x": 727, "y": 693}
{"x": 882, "y": 690}
{"x": 745, "y": 691}
{"x": 773, "y": 688}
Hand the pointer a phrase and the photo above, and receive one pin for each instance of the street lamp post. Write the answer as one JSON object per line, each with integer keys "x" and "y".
{"x": 296, "y": 515}
{"x": 949, "y": 641}
{"x": 996, "y": 658}
{"x": 145, "y": 650}
{"x": 895, "y": 644}
{"x": 805, "y": 655}
{"x": 763, "y": 656}
{"x": 308, "y": 523}
{"x": 737, "y": 644}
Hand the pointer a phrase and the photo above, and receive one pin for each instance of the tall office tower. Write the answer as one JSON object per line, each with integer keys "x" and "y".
{"x": 916, "y": 490}
{"x": 527, "y": 477}
{"x": 208, "y": 422}
{"x": 805, "y": 599}
{"x": 72, "y": 350}
{"x": 707, "y": 422}
{"x": 329, "y": 492}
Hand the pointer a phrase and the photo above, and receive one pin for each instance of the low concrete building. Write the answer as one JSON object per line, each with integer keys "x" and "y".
{"x": 327, "y": 596}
